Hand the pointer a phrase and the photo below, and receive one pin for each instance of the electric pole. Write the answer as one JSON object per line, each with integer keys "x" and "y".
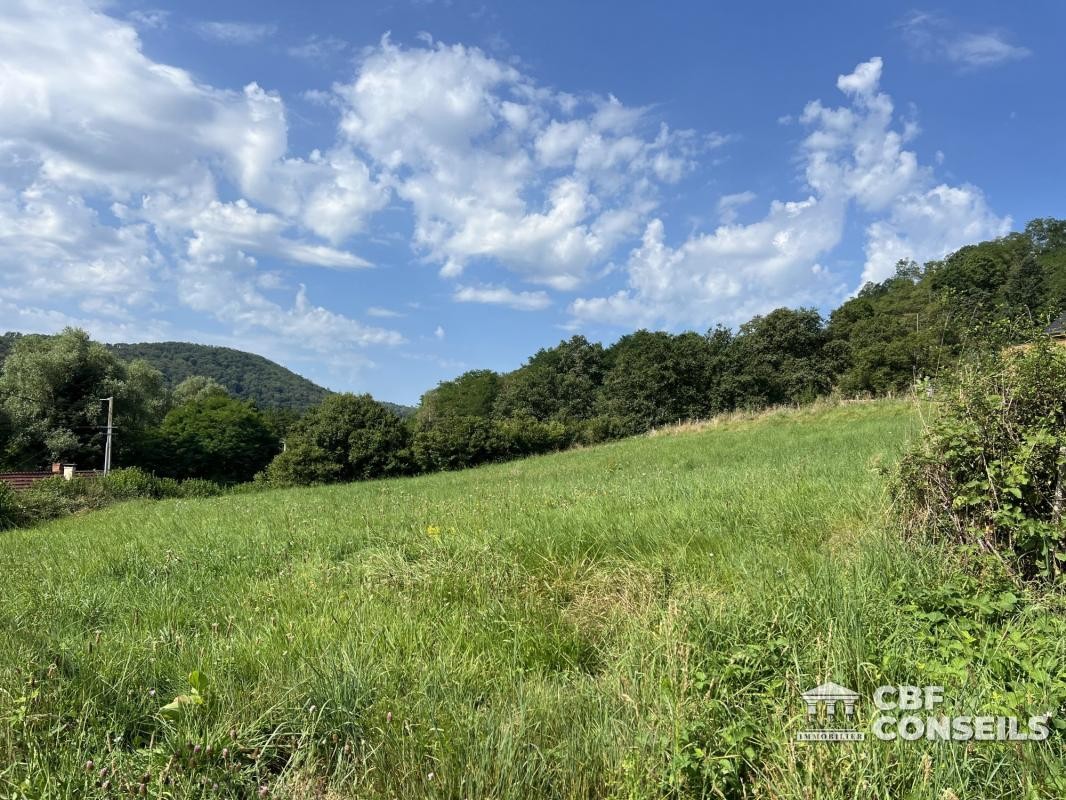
{"x": 107, "y": 444}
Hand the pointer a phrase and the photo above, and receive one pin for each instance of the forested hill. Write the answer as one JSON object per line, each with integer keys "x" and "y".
{"x": 246, "y": 375}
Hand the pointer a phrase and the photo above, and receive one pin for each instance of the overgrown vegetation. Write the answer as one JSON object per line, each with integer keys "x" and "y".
{"x": 990, "y": 470}
{"x": 626, "y": 621}
{"x": 910, "y": 329}
{"x": 51, "y": 498}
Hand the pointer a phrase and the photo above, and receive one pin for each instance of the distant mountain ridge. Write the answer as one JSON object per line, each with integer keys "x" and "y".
{"x": 246, "y": 375}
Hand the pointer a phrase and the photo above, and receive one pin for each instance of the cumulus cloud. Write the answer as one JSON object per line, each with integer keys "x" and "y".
{"x": 496, "y": 167}
{"x": 501, "y": 295}
{"x": 125, "y": 182}
{"x": 854, "y": 158}
{"x": 110, "y": 168}
{"x": 929, "y": 224}
{"x": 729, "y": 203}
{"x": 224, "y": 295}
{"x": 931, "y": 36}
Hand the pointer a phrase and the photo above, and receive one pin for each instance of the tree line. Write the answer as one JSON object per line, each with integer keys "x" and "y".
{"x": 910, "y": 327}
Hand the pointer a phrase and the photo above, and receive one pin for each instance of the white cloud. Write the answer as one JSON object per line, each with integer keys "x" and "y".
{"x": 242, "y": 33}
{"x": 125, "y": 183}
{"x": 496, "y": 167}
{"x": 931, "y": 36}
{"x": 225, "y": 295}
{"x": 929, "y": 224}
{"x": 385, "y": 313}
{"x": 149, "y": 18}
{"x": 55, "y": 245}
{"x": 853, "y": 158}
{"x": 501, "y": 295}
{"x": 109, "y": 171}
{"x": 318, "y": 49}
{"x": 439, "y": 332}
{"x": 729, "y": 203}
{"x": 728, "y": 276}
{"x": 984, "y": 50}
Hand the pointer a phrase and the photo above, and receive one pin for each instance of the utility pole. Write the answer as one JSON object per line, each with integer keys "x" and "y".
{"x": 107, "y": 445}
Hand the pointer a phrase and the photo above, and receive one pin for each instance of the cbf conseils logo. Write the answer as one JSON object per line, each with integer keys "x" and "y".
{"x": 907, "y": 713}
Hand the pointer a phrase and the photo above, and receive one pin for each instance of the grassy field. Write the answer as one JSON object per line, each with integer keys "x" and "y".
{"x": 627, "y": 621}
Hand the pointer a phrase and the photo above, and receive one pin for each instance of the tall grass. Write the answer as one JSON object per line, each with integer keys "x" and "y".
{"x": 627, "y": 621}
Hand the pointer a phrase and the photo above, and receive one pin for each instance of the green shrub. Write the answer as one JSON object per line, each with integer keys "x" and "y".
{"x": 601, "y": 429}
{"x": 990, "y": 470}
{"x": 57, "y": 497}
{"x": 197, "y": 487}
{"x": 458, "y": 442}
{"x": 524, "y": 436}
{"x": 11, "y": 512}
{"x": 130, "y": 482}
{"x": 169, "y": 487}
{"x": 304, "y": 464}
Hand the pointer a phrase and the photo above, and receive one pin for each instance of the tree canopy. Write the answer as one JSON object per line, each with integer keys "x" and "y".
{"x": 914, "y": 325}
{"x": 215, "y": 437}
{"x": 52, "y": 390}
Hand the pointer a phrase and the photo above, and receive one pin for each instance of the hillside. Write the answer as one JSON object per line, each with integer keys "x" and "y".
{"x": 245, "y": 375}
{"x": 630, "y": 620}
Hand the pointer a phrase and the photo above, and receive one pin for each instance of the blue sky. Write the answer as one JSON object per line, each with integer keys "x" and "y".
{"x": 382, "y": 195}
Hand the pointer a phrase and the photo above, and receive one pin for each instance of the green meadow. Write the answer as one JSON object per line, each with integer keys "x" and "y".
{"x": 633, "y": 620}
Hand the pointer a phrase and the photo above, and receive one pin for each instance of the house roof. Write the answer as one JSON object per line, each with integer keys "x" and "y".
{"x": 1058, "y": 327}
{"x": 830, "y": 691}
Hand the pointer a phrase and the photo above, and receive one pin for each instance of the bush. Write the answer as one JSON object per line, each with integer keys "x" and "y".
{"x": 990, "y": 470}
{"x": 197, "y": 487}
{"x": 346, "y": 437}
{"x": 11, "y": 512}
{"x": 56, "y": 497}
{"x": 524, "y": 436}
{"x": 130, "y": 482}
{"x": 601, "y": 429}
{"x": 304, "y": 464}
{"x": 458, "y": 442}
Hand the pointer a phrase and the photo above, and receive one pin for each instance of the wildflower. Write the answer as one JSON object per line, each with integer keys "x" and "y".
{"x": 433, "y": 530}
{"x": 388, "y": 717}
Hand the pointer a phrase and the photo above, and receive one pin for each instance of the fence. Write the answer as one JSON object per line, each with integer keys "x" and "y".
{"x": 24, "y": 480}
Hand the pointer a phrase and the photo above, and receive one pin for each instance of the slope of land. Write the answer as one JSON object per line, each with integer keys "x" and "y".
{"x": 245, "y": 375}
{"x": 631, "y": 620}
